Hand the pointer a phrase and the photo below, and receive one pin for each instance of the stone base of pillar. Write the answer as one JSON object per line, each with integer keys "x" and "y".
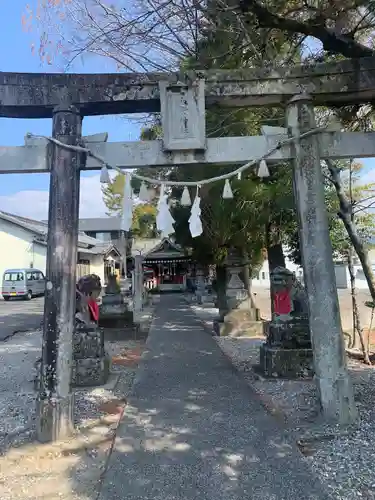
{"x": 201, "y": 298}
{"x": 286, "y": 363}
{"x": 55, "y": 418}
{"x": 143, "y": 320}
{"x": 239, "y": 323}
{"x": 154, "y": 298}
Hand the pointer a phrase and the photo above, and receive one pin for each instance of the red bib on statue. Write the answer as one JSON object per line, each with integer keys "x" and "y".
{"x": 282, "y": 303}
{"x": 94, "y": 310}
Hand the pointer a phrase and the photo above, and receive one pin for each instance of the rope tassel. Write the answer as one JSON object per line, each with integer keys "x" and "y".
{"x": 263, "y": 169}
{"x": 104, "y": 175}
{"x": 185, "y": 198}
{"x": 144, "y": 193}
{"x": 164, "y": 219}
{"x": 195, "y": 223}
{"x": 127, "y": 204}
{"x": 227, "y": 191}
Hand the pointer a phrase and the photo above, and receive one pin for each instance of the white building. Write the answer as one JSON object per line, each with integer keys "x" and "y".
{"x": 341, "y": 272}
{"x": 23, "y": 244}
{"x": 262, "y": 279}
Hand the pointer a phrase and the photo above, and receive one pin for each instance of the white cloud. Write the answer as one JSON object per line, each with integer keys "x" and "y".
{"x": 368, "y": 177}
{"x": 34, "y": 204}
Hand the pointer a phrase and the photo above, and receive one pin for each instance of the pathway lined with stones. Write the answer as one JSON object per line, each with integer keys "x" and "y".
{"x": 194, "y": 429}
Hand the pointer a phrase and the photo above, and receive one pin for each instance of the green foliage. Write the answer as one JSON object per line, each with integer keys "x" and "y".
{"x": 239, "y": 222}
{"x": 144, "y": 221}
{"x": 144, "y": 215}
{"x": 113, "y": 193}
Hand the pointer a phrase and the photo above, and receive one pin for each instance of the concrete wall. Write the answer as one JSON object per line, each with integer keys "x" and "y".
{"x": 342, "y": 276}
{"x": 360, "y": 280}
{"x": 18, "y": 250}
{"x": 341, "y": 272}
{"x": 96, "y": 264}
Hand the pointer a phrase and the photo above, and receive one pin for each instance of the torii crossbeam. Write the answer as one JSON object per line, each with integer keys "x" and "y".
{"x": 33, "y": 95}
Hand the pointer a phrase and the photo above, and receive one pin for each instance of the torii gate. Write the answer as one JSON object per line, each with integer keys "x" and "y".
{"x": 181, "y": 98}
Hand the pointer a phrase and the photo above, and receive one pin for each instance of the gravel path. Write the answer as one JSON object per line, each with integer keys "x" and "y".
{"x": 72, "y": 469}
{"x": 344, "y": 459}
{"x": 17, "y": 397}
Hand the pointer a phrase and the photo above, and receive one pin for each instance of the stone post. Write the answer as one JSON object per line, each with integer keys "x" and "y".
{"x": 334, "y": 385}
{"x": 138, "y": 288}
{"x": 201, "y": 287}
{"x": 123, "y": 245}
{"x": 55, "y": 399}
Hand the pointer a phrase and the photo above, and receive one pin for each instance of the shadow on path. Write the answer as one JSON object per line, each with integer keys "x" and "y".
{"x": 193, "y": 428}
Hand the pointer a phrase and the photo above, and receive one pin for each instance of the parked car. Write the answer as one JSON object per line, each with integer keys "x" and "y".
{"x": 25, "y": 283}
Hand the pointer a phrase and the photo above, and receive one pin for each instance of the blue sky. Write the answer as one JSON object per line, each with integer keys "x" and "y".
{"x": 27, "y": 194}
{"x": 16, "y": 56}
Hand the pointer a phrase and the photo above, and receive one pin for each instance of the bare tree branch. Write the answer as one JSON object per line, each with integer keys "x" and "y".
{"x": 345, "y": 214}
{"x": 332, "y": 41}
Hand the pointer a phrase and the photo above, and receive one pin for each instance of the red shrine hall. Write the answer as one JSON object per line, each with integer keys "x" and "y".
{"x": 166, "y": 267}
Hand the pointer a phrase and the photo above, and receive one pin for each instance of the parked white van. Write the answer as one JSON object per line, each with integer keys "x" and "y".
{"x": 25, "y": 283}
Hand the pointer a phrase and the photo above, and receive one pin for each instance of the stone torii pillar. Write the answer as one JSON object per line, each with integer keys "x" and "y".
{"x": 55, "y": 401}
{"x": 334, "y": 385}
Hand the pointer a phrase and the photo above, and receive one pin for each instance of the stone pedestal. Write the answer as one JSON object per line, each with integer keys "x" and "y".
{"x": 291, "y": 334}
{"x": 286, "y": 363}
{"x": 114, "y": 312}
{"x": 91, "y": 363}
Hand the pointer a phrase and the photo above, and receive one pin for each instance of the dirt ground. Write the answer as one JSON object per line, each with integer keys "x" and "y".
{"x": 263, "y": 302}
{"x": 71, "y": 469}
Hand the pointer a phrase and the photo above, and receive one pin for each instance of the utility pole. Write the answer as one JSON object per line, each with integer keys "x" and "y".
{"x": 334, "y": 384}
{"x": 55, "y": 403}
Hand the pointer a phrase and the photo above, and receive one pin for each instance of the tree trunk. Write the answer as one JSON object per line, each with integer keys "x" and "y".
{"x": 353, "y": 341}
{"x": 357, "y": 328}
{"x": 276, "y": 257}
{"x": 345, "y": 215}
{"x": 221, "y": 281}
